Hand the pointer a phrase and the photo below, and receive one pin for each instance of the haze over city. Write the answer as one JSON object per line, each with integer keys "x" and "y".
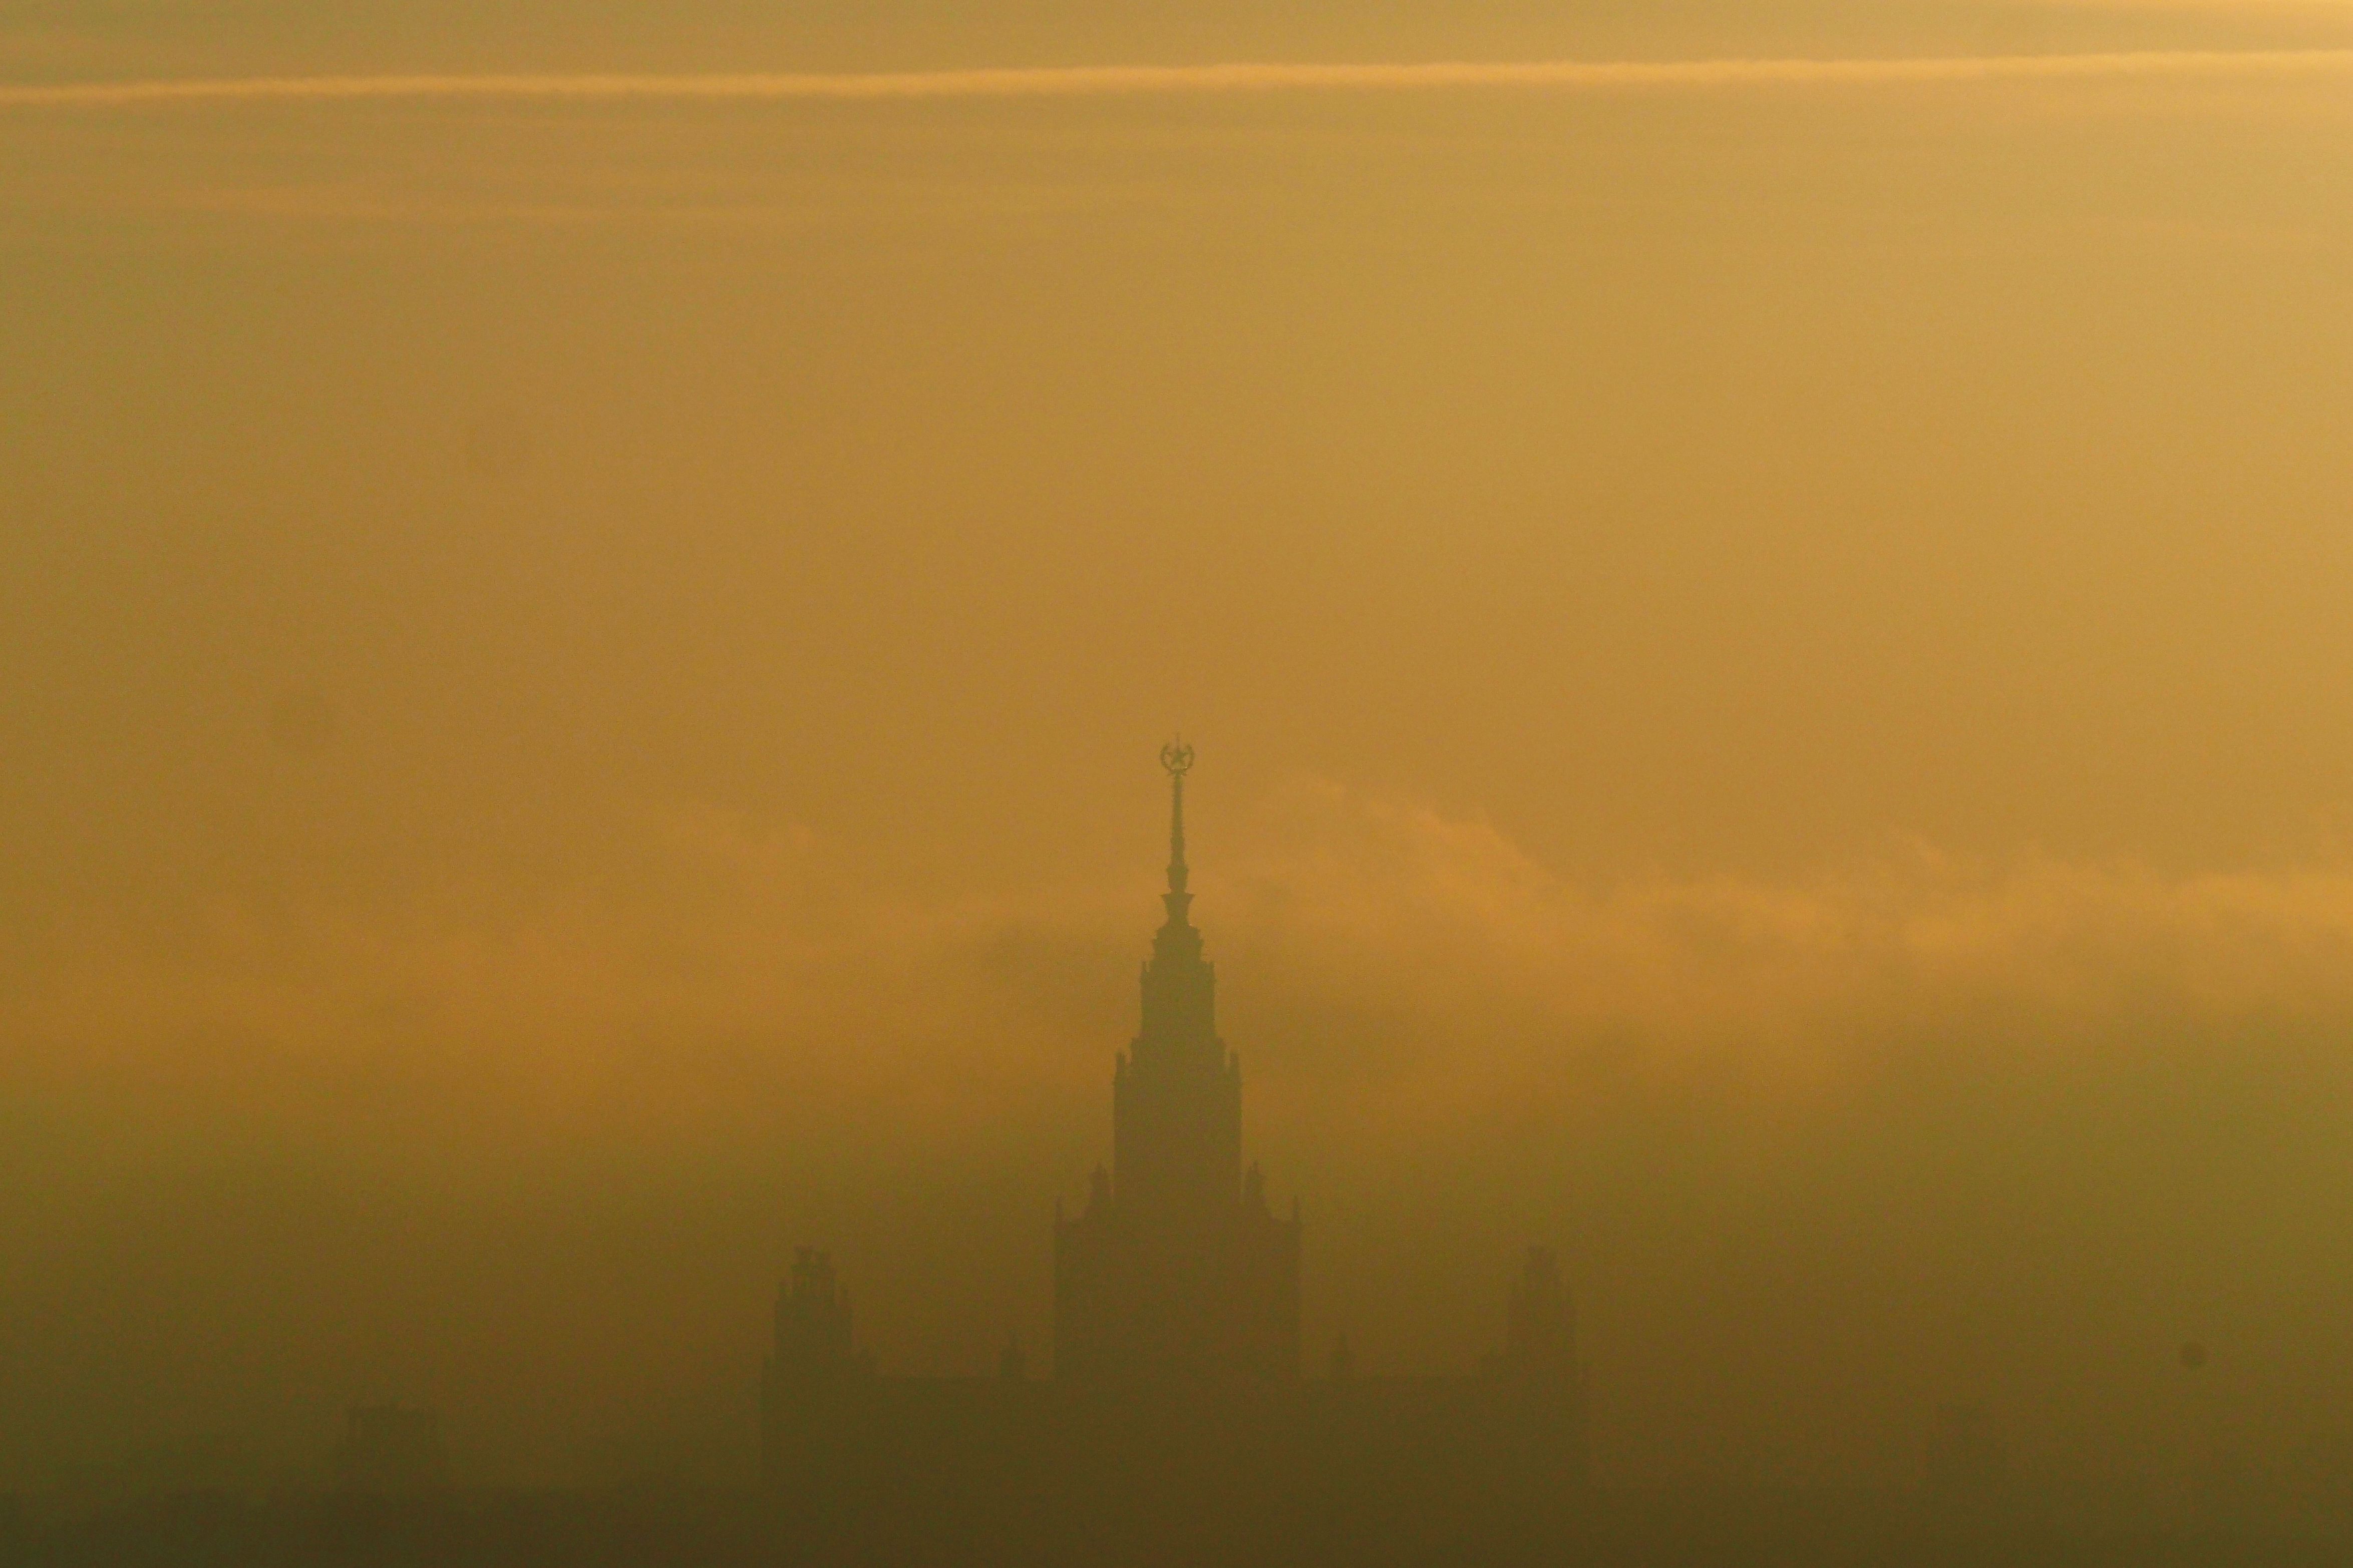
{"x": 588, "y": 596}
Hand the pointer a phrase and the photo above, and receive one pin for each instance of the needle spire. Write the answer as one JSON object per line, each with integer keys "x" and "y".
{"x": 1177, "y": 758}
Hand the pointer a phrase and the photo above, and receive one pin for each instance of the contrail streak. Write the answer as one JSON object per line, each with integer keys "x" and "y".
{"x": 1111, "y": 82}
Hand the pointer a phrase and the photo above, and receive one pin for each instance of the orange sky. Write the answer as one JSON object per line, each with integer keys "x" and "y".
{"x": 1768, "y": 655}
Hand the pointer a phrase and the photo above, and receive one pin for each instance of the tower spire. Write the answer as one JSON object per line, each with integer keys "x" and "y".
{"x": 1177, "y": 757}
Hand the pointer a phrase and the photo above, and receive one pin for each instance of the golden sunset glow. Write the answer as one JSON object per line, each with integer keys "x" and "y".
{"x": 588, "y": 595}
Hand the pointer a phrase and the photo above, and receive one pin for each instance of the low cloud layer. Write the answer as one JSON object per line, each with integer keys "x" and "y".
{"x": 710, "y": 927}
{"x": 2046, "y": 1115}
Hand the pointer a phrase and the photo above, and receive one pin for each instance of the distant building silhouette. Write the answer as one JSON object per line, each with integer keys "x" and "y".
{"x": 1175, "y": 1407}
{"x": 814, "y": 1346}
{"x": 1540, "y": 1326}
{"x": 1176, "y": 1269}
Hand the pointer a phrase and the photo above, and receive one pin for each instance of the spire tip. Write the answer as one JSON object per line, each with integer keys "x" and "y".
{"x": 1177, "y": 757}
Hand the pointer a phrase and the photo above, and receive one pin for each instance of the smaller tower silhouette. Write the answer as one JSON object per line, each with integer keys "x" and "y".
{"x": 1540, "y": 1384}
{"x": 813, "y": 1330}
{"x": 814, "y": 1391}
{"x": 1540, "y": 1327}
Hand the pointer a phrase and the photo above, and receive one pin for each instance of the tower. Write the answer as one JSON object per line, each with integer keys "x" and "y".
{"x": 1177, "y": 1271}
{"x": 1540, "y": 1325}
{"x": 813, "y": 1390}
{"x": 1541, "y": 1387}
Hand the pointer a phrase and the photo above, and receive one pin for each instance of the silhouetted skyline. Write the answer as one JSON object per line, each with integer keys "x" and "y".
{"x": 586, "y": 597}
{"x": 1175, "y": 1398}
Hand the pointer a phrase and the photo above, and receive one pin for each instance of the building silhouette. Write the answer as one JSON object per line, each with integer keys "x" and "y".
{"x": 1176, "y": 1269}
{"x": 1175, "y": 1413}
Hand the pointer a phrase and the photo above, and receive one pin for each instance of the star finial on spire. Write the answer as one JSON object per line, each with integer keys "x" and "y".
{"x": 1177, "y": 757}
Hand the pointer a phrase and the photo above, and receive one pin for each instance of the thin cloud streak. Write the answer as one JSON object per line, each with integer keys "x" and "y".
{"x": 1113, "y": 82}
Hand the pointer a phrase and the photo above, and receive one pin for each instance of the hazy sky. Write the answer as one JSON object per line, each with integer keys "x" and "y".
{"x": 1768, "y": 655}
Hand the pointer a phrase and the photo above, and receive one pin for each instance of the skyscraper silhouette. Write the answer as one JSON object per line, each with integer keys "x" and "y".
{"x": 1176, "y": 1270}
{"x": 1176, "y": 1402}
